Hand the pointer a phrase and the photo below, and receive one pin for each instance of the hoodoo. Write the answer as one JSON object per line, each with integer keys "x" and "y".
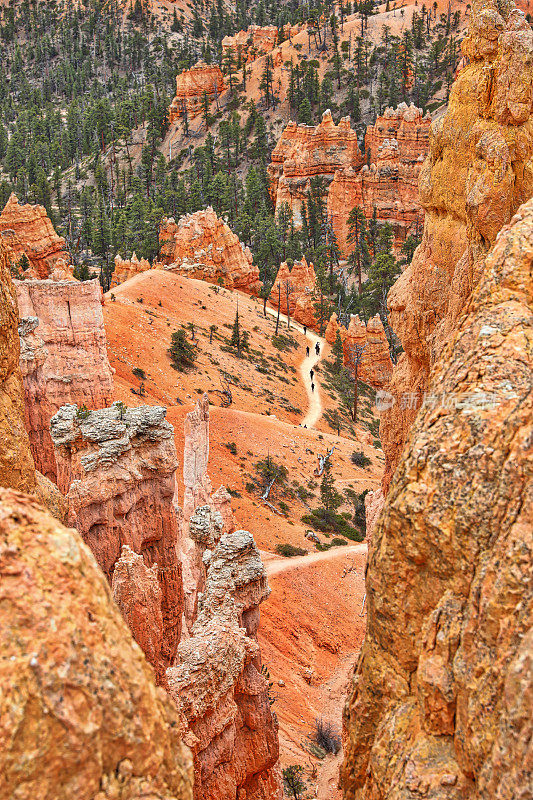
{"x": 192, "y": 85}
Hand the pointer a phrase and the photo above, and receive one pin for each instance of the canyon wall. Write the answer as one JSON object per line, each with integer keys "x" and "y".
{"x": 128, "y": 267}
{"x": 300, "y": 281}
{"x": 477, "y": 173}
{"x": 217, "y": 683}
{"x": 439, "y": 705}
{"x": 191, "y": 86}
{"x": 28, "y": 231}
{"x": 117, "y": 468}
{"x": 80, "y": 714}
{"x": 63, "y": 356}
{"x": 203, "y": 246}
{"x": 248, "y": 45}
{"x": 441, "y": 700}
{"x": 375, "y": 366}
{"x": 387, "y": 182}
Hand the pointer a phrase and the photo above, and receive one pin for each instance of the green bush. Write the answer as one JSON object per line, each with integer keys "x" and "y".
{"x": 289, "y": 550}
{"x": 359, "y": 459}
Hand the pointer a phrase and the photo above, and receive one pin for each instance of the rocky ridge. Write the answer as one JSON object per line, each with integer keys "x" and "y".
{"x": 28, "y": 231}
{"x": 126, "y": 268}
{"x": 191, "y": 86}
{"x": 117, "y": 468}
{"x": 375, "y": 367}
{"x": 63, "y": 356}
{"x": 202, "y": 246}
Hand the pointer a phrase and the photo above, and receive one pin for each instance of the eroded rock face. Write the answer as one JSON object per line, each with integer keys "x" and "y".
{"x": 117, "y": 468}
{"x": 477, "y": 174}
{"x": 217, "y": 683}
{"x": 77, "y": 693}
{"x": 27, "y": 230}
{"x": 63, "y": 356}
{"x": 387, "y": 181}
{"x": 441, "y": 700}
{"x": 375, "y": 366}
{"x": 305, "y": 151}
{"x": 127, "y": 268}
{"x": 191, "y": 85}
{"x": 202, "y": 246}
{"x": 248, "y": 45}
{"x": 17, "y": 469}
{"x": 300, "y": 287}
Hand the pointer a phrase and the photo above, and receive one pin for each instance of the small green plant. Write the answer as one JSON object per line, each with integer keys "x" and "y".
{"x": 266, "y": 674}
{"x": 121, "y": 408}
{"x": 293, "y": 782}
{"x": 82, "y": 413}
{"x": 289, "y": 550}
{"x": 232, "y": 447}
{"x": 359, "y": 459}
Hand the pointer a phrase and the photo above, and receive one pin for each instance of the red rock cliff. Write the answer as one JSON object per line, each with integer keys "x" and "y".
{"x": 77, "y": 693}
{"x": 298, "y": 284}
{"x": 127, "y": 268}
{"x": 63, "y": 358}
{"x": 252, "y": 43}
{"x": 477, "y": 174}
{"x": 191, "y": 85}
{"x": 217, "y": 683}
{"x": 202, "y": 246}
{"x": 375, "y": 367}
{"x": 28, "y": 230}
{"x": 117, "y": 467}
{"x": 441, "y": 699}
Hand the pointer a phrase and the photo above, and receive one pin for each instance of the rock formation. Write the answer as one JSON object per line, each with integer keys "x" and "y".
{"x": 299, "y": 285}
{"x": 217, "y": 683}
{"x": 117, "y": 468}
{"x": 191, "y": 86}
{"x": 477, "y": 173}
{"x": 127, "y": 268}
{"x": 375, "y": 366}
{"x": 63, "y": 357}
{"x": 80, "y": 714}
{"x": 250, "y": 44}
{"x": 202, "y": 246}
{"x": 304, "y": 151}
{"x": 28, "y": 231}
{"x": 441, "y": 700}
{"x": 396, "y": 147}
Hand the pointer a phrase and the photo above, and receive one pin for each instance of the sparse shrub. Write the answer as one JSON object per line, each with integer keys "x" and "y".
{"x": 139, "y": 373}
{"x": 338, "y": 542}
{"x": 82, "y": 413}
{"x": 232, "y": 447}
{"x": 289, "y": 550}
{"x": 293, "y": 782}
{"x": 326, "y": 737}
{"x": 359, "y": 459}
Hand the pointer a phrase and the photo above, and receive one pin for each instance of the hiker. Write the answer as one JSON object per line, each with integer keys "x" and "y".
{"x": 317, "y": 349}
{"x": 311, "y": 373}
{"x": 305, "y": 330}
{"x": 312, "y": 387}
{"x": 307, "y": 351}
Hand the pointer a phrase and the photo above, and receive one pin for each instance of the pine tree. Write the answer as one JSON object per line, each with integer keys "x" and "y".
{"x": 182, "y": 353}
{"x": 236, "y": 334}
{"x": 329, "y": 496}
{"x": 338, "y": 353}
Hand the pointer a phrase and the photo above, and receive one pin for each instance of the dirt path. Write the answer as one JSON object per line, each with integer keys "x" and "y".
{"x": 275, "y": 565}
{"x": 314, "y": 411}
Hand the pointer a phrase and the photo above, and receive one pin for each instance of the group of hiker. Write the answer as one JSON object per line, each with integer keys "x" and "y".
{"x": 307, "y": 353}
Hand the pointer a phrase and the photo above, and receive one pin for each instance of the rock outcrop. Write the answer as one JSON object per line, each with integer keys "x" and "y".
{"x": 203, "y": 246}
{"x": 28, "y": 231}
{"x": 248, "y": 45}
{"x": 63, "y": 356}
{"x": 303, "y": 152}
{"x": 80, "y": 714}
{"x": 127, "y": 268}
{"x": 477, "y": 173}
{"x": 217, "y": 683}
{"x": 387, "y": 181}
{"x": 191, "y": 86}
{"x": 441, "y": 699}
{"x": 117, "y": 468}
{"x": 375, "y": 366}
{"x": 298, "y": 285}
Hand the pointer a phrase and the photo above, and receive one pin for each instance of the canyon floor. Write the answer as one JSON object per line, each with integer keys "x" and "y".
{"x": 311, "y": 627}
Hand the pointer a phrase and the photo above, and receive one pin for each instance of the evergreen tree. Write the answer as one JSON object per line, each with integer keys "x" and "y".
{"x": 182, "y": 353}
{"x": 236, "y": 334}
{"x": 338, "y": 353}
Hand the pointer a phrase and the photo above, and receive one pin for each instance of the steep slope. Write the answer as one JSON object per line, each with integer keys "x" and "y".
{"x": 441, "y": 698}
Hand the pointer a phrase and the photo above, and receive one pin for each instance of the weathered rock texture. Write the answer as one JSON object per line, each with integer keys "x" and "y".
{"x": 305, "y": 151}
{"x": 478, "y": 171}
{"x": 441, "y": 700}
{"x": 63, "y": 356}
{"x": 387, "y": 181}
{"x": 248, "y": 45}
{"x": 27, "y": 230}
{"x": 191, "y": 86}
{"x": 80, "y": 714}
{"x": 17, "y": 469}
{"x": 127, "y": 268}
{"x": 218, "y": 685}
{"x": 299, "y": 286}
{"x": 375, "y": 366}
{"x": 117, "y": 467}
{"x": 202, "y": 246}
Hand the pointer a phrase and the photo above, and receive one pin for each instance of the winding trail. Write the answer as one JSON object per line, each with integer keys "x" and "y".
{"x": 314, "y": 411}
{"x": 275, "y": 566}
